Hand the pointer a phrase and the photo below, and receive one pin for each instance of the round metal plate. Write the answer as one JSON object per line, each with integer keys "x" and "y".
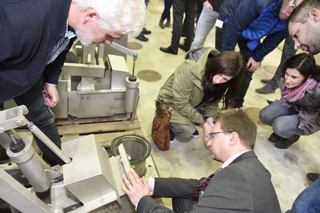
{"x": 149, "y": 75}
{"x": 134, "y": 45}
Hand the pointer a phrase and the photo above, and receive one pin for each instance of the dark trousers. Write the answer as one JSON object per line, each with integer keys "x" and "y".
{"x": 167, "y": 7}
{"x": 179, "y": 8}
{"x": 182, "y": 205}
{"x": 246, "y": 52}
{"x": 41, "y": 116}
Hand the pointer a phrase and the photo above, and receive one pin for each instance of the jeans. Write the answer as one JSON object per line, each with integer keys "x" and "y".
{"x": 167, "y": 7}
{"x": 181, "y": 7}
{"x": 205, "y": 24}
{"x": 308, "y": 200}
{"x": 141, "y": 33}
{"x": 284, "y": 121}
{"x": 42, "y": 117}
{"x": 183, "y": 130}
{"x": 287, "y": 52}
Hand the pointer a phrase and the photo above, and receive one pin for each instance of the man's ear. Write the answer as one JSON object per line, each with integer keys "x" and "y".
{"x": 89, "y": 15}
{"x": 233, "y": 139}
{"x": 314, "y": 15}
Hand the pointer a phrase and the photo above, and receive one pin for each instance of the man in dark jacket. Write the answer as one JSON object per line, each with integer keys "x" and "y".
{"x": 246, "y": 22}
{"x": 35, "y": 38}
{"x": 242, "y": 184}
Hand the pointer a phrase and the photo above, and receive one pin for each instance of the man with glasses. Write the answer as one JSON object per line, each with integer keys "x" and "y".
{"x": 246, "y": 22}
{"x": 242, "y": 184}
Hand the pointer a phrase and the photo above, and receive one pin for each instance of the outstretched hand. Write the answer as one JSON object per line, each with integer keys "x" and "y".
{"x": 137, "y": 189}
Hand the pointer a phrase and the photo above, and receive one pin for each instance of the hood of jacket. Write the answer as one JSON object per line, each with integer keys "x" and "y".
{"x": 198, "y": 58}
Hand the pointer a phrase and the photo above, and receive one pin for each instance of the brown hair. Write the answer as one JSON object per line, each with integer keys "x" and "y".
{"x": 242, "y": 124}
{"x": 229, "y": 63}
{"x": 305, "y": 64}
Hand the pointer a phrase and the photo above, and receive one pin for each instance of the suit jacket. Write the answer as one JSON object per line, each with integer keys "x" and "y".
{"x": 243, "y": 186}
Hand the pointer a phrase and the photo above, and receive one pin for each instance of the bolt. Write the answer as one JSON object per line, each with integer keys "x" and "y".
{"x": 19, "y": 123}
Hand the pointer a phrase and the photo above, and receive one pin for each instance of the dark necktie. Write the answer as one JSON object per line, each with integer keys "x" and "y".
{"x": 194, "y": 195}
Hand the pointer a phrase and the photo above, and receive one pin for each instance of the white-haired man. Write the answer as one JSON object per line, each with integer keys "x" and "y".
{"x": 36, "y": 36}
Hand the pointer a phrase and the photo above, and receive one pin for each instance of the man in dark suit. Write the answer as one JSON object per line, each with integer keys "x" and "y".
{"x": 242, "y": 184}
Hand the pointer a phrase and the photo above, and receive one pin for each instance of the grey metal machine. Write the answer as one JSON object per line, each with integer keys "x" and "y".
{"x": 89, "y": 181}
{"x": 95, "y": 83}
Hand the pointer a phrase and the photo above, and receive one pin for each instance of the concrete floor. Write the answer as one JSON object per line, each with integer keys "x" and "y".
{"x": 191, "y": 158}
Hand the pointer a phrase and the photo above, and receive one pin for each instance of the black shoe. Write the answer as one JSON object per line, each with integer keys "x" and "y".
{"x": 313, "y": 176}
{"x": 266, "y": 81}
{"x": 274, "y": 138}
{"x": 184, "y": 47}
{"x": 285, "y": 143}
{"x": 168, "y": 21}
{"x": 169, "y": 50}
{"x": 172, "y": 135}
{"x": 146, "y": 32}
{"x": 142, "y": 38}
{"x": 195, "y": 134}
{"x": 161, "y": 24}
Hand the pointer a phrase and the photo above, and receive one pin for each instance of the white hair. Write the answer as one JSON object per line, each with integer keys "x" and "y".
{"x": 121, "y": 16}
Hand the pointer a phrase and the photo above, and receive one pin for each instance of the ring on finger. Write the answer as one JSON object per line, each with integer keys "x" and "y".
{"x": 130, "y": 187}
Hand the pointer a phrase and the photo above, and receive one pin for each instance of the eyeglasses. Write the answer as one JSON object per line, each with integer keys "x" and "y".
{"x": 213, "y": 133}
{"x": 291, "y": 8}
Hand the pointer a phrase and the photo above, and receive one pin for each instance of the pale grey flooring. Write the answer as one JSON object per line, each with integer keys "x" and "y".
{"x": 191, "y": 159}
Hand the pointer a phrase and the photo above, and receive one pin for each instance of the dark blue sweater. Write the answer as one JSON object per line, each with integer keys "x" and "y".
{"x": 29, "y": 31}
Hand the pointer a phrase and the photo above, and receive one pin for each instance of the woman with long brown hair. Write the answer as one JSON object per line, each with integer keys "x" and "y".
{"x": 194, "y": 91}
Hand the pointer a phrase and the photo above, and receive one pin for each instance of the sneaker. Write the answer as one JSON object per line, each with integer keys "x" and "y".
{"x": 195, "y": 134}
{"x": 267, "y": 89}
{"x": 142, "y": 38}
{"x": 172, "y": 135}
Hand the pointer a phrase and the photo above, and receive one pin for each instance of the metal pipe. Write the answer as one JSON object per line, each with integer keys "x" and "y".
{"x": 35, "y": 130}
{"x": 30, "y": 166}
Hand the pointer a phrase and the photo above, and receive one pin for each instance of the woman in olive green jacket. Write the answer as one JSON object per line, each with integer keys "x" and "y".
{"x": 195, "y": 89}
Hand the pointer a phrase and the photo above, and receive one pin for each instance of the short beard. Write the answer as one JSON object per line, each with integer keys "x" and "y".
{"x": 84, "y": 35}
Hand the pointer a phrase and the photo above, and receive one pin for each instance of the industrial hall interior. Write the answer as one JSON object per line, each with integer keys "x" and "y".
{"x": 104, "y": 117}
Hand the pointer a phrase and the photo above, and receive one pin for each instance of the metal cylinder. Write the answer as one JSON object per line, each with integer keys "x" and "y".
{"x": 130, "y": 97}
{"x": 31, "y": 167}
{"x": 137, "y": 147}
